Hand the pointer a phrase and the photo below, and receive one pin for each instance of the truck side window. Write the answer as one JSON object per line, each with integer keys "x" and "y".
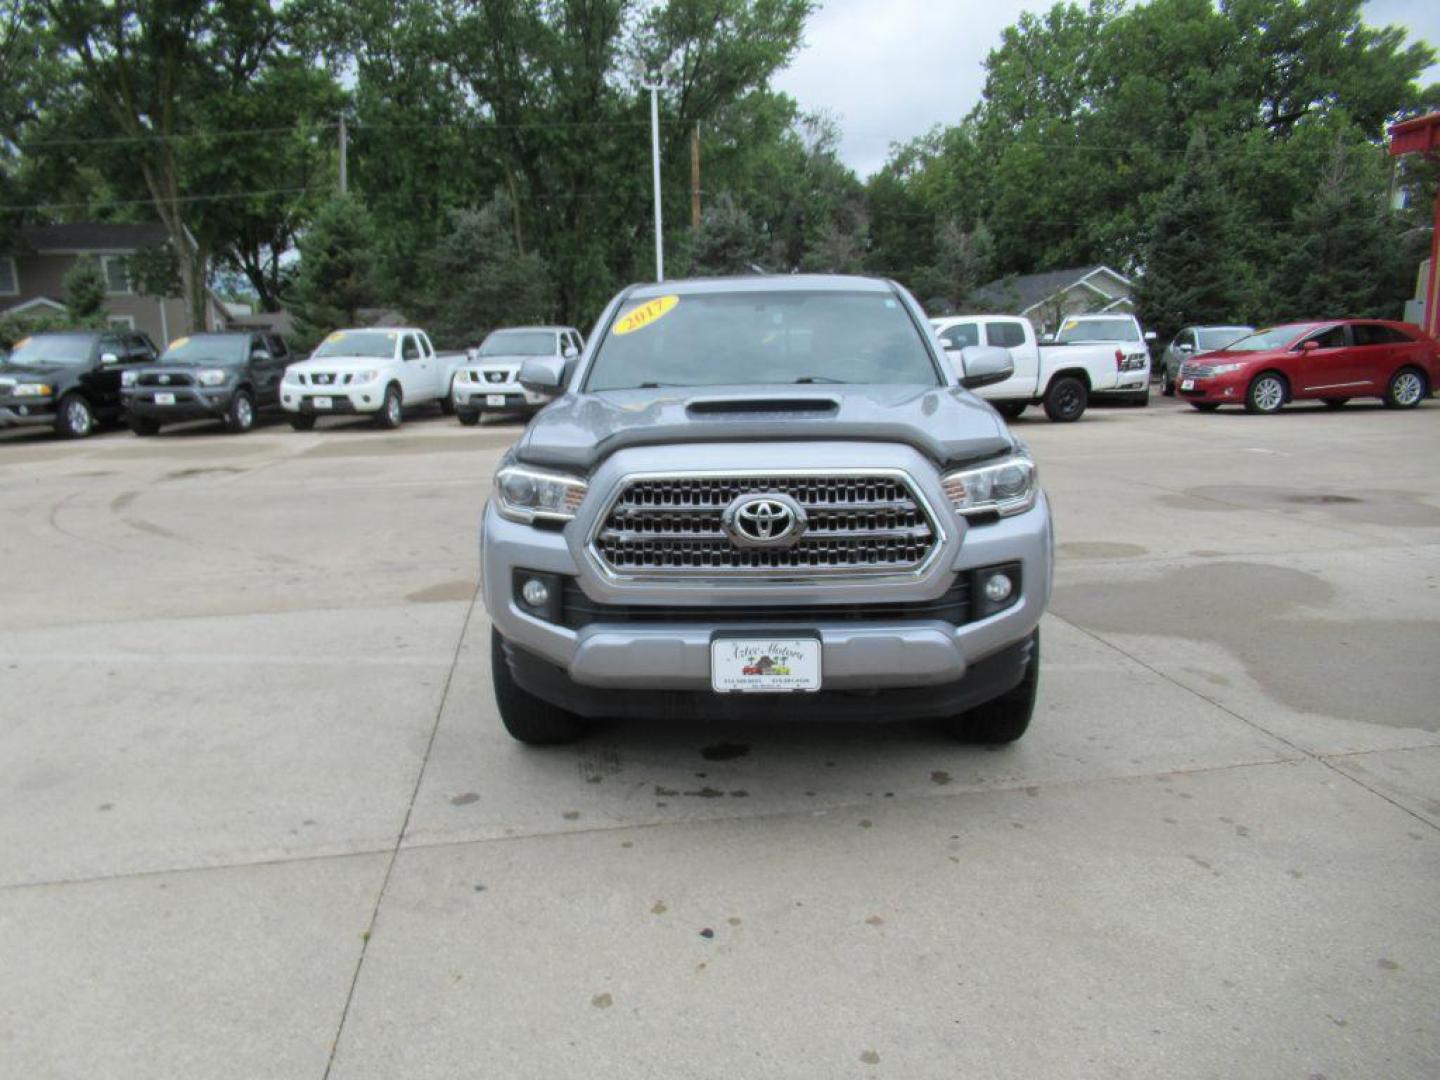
{"x": 1005, "y": 335}
{"x": 408, "y": 349}
{"x": 961, "y": 336}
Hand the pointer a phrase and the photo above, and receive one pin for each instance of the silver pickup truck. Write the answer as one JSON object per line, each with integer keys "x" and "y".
{"x": 768, "y": 498}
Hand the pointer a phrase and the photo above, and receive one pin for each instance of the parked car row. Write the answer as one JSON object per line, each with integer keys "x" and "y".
{"x": 76, "y": 381}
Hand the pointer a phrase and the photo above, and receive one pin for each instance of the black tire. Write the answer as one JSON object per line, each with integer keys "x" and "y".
{"x": 1205, "y": 406}
{"x": 1406, "y": 389}
{"x": 1066, "y": 398}
{"x": 447, "y": 406}
{"x": 391, "y": 409}
{"x": 469, "y": 419}
{"x": 1266, "y": 393}
{"x": 1335, "y": 402}
{"x": 1011, "y": 410}
{"x": 1142, "y": 399}
{"x": 302, "y": 422}
{"x": 1167, "y": 384}
{"x": 143, "y": 426}
{"x": 240, "y": 417}
{"x": 74, "y": 418}
{"x": 528, "y": 719}
{"x": 1004, "y": 719}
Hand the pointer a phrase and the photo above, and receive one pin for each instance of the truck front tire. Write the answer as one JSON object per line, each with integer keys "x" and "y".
{"x": 528, "y": 719}
{"x": 392, "y": 409}
{"x": 1004, "y": 719}
{"x": 468, "y": 417}
{"x": 1010, "y": 410}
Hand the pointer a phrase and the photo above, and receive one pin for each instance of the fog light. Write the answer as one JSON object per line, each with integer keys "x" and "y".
{"x": 534, "y": 593}
{"x": 998, "y": 588}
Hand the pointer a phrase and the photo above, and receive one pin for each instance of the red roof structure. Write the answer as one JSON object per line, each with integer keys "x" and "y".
{"x": 1421, "y": 135}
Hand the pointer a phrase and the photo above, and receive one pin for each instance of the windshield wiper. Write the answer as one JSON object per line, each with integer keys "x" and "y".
{"x": 819, "y": 379}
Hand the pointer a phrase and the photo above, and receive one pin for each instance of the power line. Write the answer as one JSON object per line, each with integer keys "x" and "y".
{"x": 151, "y": 202}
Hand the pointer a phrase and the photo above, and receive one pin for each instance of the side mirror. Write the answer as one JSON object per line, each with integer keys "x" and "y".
{"x": 542, "y": 374}
{"x": 570, "y": 352}
{"x": 1149, "y": 335}
{"x": 108, "y": 358}
{"x": 259, "y": 356}
{"x": 983, "y": 365}
{"x": 1185, "y": 348}
{"x": 1309, "y": 346}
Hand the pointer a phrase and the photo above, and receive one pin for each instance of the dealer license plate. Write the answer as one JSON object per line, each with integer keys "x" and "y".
{"x": 164, "y": 399}
{"x": 1188, "y": 384}
{"x": 764, "y": 665}
{"x": 321, "y": 402}
{"x": 495, "y": 401}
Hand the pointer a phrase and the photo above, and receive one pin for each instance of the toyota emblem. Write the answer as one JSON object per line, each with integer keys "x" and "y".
{"x": 767, "y": 519}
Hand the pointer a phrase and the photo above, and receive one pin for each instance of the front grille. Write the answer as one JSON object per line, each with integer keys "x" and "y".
{"x": 495, "y": 376}
{"x": 858, "y": 523}
{"x": 1196, "y": 371}
{"x": 578, "y": 611}
{"x": 163, "y": 379}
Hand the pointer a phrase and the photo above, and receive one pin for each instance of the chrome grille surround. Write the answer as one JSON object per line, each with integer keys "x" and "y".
{"x": 1196, "y": 371}
{"x": 864, "y": 523}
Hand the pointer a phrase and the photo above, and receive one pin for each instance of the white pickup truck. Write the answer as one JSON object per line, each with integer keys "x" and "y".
{"x": 376, "y": 372}
{"x": 1062, "y": 377}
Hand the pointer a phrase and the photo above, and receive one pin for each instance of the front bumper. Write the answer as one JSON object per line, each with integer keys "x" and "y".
{"x": 27, "y": 412}
{"x": 1217, "y": 389}
{"x": 344, "y": 400}
{"x": 190, "y": 403}
{"x": 890, "y": 654}
{"x": 475, "y": 397}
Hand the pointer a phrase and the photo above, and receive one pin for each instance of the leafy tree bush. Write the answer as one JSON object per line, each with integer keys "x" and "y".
{"x": 84, "y": 285}
{"x": 336, "y": 278}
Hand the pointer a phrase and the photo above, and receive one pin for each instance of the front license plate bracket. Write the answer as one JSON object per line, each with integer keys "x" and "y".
{"x": 765, "y": 664}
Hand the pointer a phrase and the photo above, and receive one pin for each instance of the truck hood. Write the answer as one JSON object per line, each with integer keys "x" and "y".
{"x": 342, "y": 363}
{"x": 20, "y": 372}
{"x": 946, "y": 424}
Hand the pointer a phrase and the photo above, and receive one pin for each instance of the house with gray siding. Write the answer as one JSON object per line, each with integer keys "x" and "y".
{"x": 1047, "y": 298}
{"x": 32, "y": 277}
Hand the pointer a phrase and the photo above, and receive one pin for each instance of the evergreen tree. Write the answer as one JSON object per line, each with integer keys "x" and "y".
{"x": 1344, "y": 255}
{"x": 477, "y": 279}
{"x": 727, "y": 242}
{"x": 84, "y": 285}
{"x": 336, "y": 276}
{"x": 1194, "y": 264}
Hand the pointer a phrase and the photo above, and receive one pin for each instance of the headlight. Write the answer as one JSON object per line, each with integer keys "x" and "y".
{"x": 365, "y": 376}
{"x": 1225, "y": 369}
{"x": 212, "y": 377}
{"x": 127, "y": 378}
{"x": 291, "y": 377}
{"x": 1003, "y": 487}
{"x": 527, "y": 494}
{"x": 33, "y": 389}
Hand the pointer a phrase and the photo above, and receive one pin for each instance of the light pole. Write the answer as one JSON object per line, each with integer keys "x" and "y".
{"x": 652, "y": 81}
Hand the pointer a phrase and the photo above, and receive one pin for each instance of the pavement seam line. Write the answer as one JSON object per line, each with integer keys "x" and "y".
{"x": 1312, "y": 755}
{"x": 400, "y": 837}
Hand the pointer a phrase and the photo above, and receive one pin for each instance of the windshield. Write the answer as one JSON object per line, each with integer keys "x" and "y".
{"x": 1076, "y": 331}
{"x": 762, "y": 338}
{"x": 207, "y": 349}
{"x": 519, "y": 343}
{"x": 1274, "y": 337}
{"x": 66, "y": 349}
{"x": 377, "y": 343}
{"x": 1220, "y": 336}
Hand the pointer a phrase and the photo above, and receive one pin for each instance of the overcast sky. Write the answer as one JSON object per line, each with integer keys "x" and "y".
{"x": 889, "y": 70}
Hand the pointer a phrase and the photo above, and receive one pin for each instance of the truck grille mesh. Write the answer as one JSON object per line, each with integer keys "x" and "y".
{"x": 859, "y": 524}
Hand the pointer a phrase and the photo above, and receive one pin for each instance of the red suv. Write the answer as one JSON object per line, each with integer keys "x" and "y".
{"x": 1326, "y": 361}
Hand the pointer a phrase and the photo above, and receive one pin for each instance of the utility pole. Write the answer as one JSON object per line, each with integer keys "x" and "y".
{"x": 344, "y": 157}
{"x": 695, "y": 177}
{"x": 653, "y": 82}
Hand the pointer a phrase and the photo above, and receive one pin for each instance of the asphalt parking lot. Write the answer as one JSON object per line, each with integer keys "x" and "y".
{"x": 258, "y": 818}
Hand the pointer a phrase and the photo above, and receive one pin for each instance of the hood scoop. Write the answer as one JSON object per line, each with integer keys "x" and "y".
{"x": 762, "y": 408}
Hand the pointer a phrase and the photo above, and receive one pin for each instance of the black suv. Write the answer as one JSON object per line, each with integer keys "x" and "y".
{"x": 221, "y": 376}
{"x": 69, "y": 380}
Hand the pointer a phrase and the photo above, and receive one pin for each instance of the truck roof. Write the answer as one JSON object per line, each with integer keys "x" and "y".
{"x": 770, "y": 283}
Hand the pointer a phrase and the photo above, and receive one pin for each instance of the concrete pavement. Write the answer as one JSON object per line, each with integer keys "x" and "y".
{"x": 258, "y": 818}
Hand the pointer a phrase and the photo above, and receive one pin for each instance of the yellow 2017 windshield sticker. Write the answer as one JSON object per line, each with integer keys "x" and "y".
{"x": 338, "y": 335}
{"x": 21, "y": 343}
{"x": 652, "y": 311}
{"x": 179, "y": 341}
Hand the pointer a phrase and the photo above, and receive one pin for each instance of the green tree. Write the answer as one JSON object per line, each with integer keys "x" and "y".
{"x": 964, "y": 261}
{"x": 84, "y": 285}
{"x": 1194, "y": 258}
{"x": 477, "y": 279}
{"x": 727, "y": 242}
{"x": 336, "y": 277}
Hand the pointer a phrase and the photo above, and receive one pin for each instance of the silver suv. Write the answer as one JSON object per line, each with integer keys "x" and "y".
{"x": 766, "y": 498}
